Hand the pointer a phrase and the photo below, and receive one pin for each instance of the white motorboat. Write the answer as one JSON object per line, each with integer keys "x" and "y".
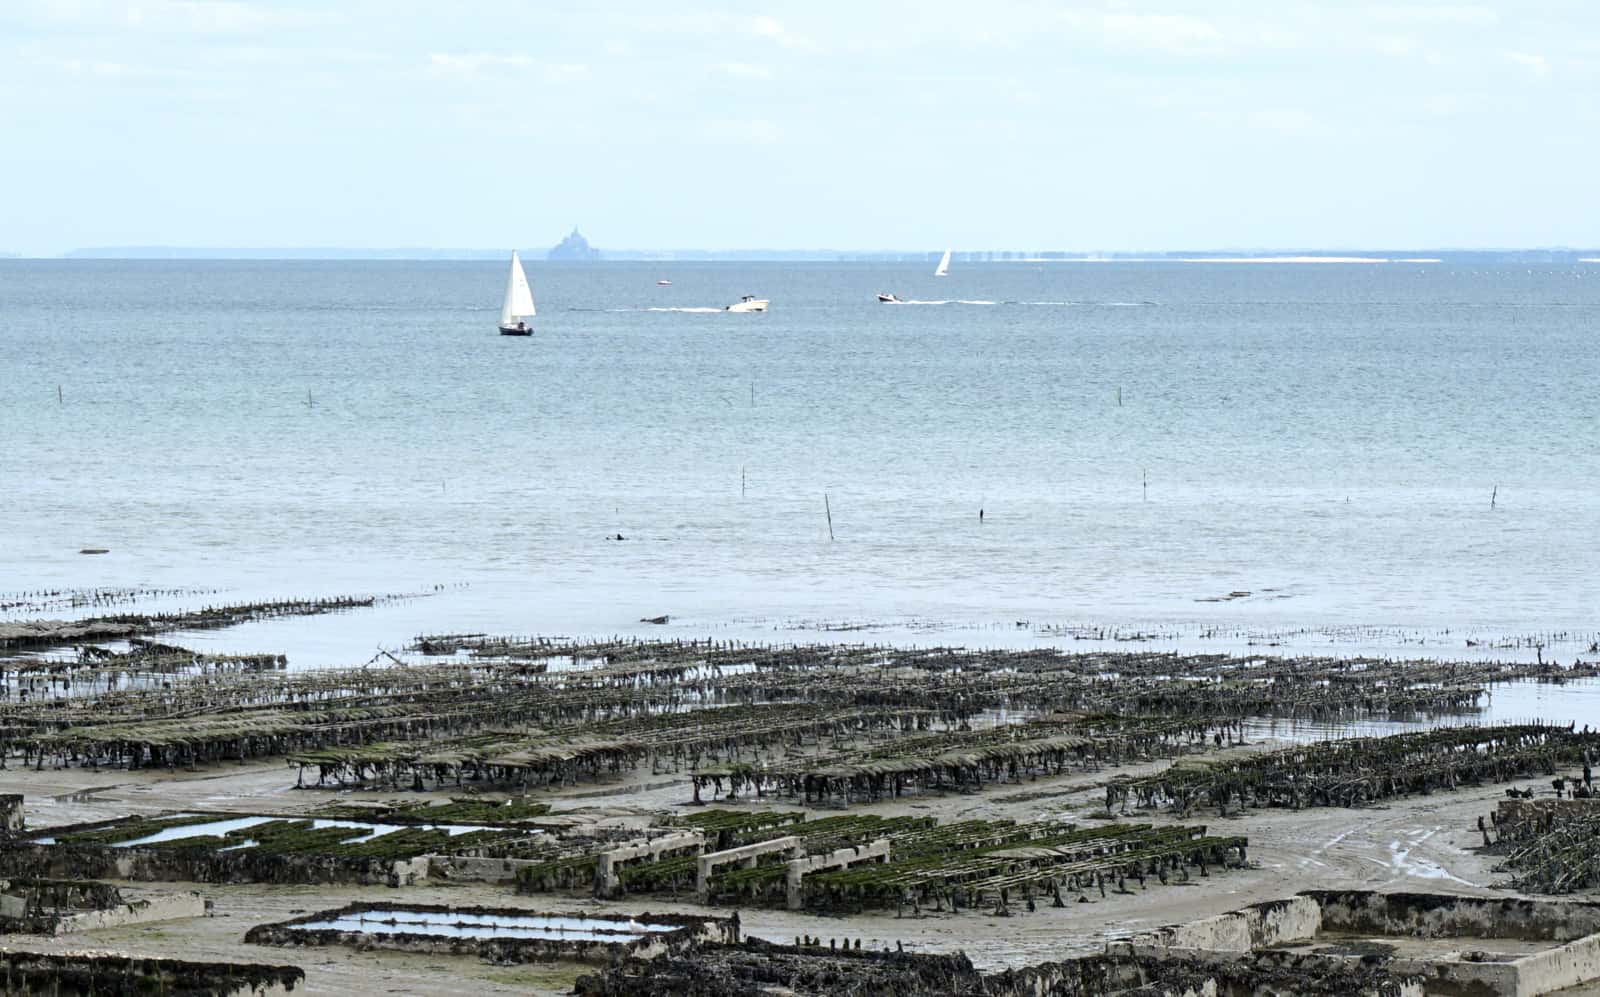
{"x": 944, "y": 265}
{"x": 889, "y": 299}
{"x": 663, "y": 283}
{"x": 518, "y": 307}
{"x": 748, "y": 303}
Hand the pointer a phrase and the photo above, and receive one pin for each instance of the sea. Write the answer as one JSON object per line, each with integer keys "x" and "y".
{"x": 1399, "y": 459}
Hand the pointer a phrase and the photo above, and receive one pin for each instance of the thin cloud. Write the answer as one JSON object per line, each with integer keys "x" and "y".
{"x": 1407, "y": 48}
{"x": 741, "y": 131}
{"x": 1538, "y": 65}
{"x": 1436, "y": 13}
{"x": 771, "y": 27}
{"x": 473, "y": 63}
{"x": 1284, "y": 121}
{"x": 747, "y": 71}
{"x": 566, "y": 72}
{"x": 1178, "y": 34}
{"x": 222, "y": 16}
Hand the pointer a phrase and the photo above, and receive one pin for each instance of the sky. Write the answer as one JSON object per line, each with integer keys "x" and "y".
{"x": 1110, "y": 125}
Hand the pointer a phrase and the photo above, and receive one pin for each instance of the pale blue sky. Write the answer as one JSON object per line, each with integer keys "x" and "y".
{"x": 861, "y": 125}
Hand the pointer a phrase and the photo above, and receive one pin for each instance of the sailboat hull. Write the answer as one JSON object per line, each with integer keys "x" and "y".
{"x": 512, "y": 330}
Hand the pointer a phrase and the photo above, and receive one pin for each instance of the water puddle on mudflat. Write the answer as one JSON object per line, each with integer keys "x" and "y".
{"x": 219, "y": 828}
{"x": 465, "y": 925}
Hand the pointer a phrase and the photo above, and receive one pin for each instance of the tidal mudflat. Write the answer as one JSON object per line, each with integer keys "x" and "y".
{"x": 538, "y": 813}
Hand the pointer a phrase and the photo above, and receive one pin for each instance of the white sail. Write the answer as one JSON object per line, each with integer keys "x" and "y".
{"x": 944, "y": 265}
{"x": 519, "y": 299}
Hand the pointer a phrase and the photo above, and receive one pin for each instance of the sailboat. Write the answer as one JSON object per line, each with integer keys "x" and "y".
{"x": 944, "y": 265}
{"x": 519, "y": 302}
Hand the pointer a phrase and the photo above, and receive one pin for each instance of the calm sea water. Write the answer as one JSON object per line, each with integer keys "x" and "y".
{"x": 1325, "y": 438}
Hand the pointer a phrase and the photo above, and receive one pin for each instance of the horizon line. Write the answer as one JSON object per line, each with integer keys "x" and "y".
{"x": 1223, "y": 254}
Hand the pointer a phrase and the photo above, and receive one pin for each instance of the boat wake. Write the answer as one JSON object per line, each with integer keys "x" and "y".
{"x": 697, "y": 311}
{"x": 1086, "y": 304}
{"x": 947, "y": 301}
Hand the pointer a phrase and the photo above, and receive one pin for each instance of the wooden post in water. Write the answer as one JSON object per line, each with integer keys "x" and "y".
{"x": 741, "y": 481}
{"x": 829, "y": 510}
{"x": 1119, "y": 396}
{"x": 1493, "y": 495}
{"x": 59, "y": 399}
{"x": 1145, "y": 479}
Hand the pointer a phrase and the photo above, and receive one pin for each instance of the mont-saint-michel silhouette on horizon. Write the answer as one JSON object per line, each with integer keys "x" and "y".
{"x": 573, "y": 247}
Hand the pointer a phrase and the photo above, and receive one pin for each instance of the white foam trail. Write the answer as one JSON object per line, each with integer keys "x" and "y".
{"x": 696, "y": 311}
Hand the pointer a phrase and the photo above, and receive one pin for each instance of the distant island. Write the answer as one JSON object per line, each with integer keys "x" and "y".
{"x": 573, "y": 247}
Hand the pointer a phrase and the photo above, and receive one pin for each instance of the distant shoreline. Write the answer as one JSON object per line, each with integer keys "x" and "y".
{"x": 537, "y": 255}
{"x": 1239, "y": 259}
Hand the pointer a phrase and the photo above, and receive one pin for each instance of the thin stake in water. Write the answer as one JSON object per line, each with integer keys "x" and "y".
{"x": 829, "y": 510}
{"x": 1493, "y": 495}
{"x": 1145, "y": 484}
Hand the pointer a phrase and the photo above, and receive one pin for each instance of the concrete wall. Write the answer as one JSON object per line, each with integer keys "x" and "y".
{"x": 1215, "y": 974}
{"x": 1432, "y": 915}
{"x": 463, "y": 869}
{"x": 163, "y": 907}
{"x": 1379, "y": 915}
{"x": 1477, "y": 979}
{"x": 408, "y": 872}
{"x": 839, "y": 858}
{"x": 1555, "y": 969}
{"x": 1257, "y": 926}
{"x": 606, "y": 879}
{"x": 20, "y": 916}
{"x": 745, "y": 855}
